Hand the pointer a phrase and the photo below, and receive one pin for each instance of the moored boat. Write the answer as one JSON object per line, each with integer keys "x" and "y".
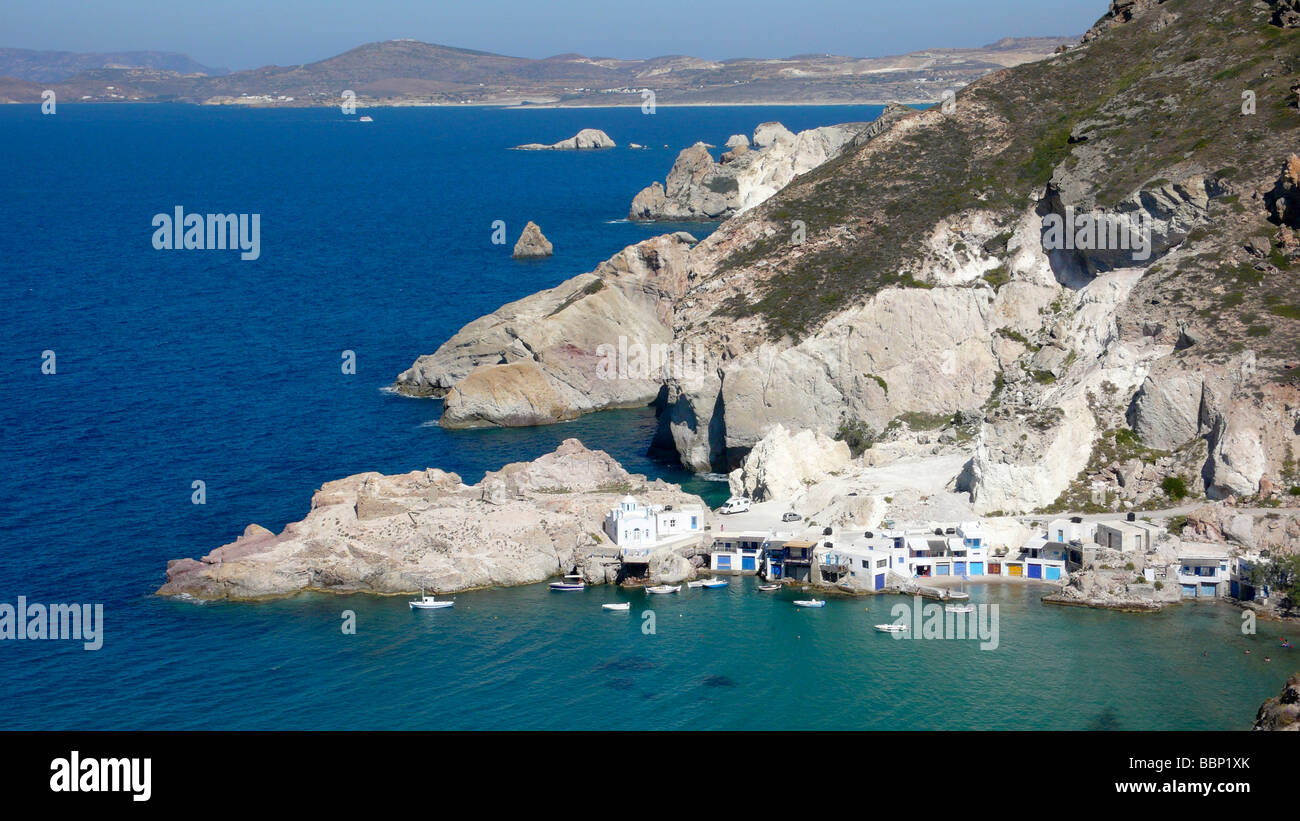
{"x": 959, "y": 608}
{"x": 429, "y": 603}
{"x": 768, "y": 588}
{"x": 892, "y": 628}
{"x": 572, "y": 581}
{"x": 715, "y": 582}
{"x": 663, "y": 589}
{"x": 810, "y": 603}
{"x": 619, "y": 606}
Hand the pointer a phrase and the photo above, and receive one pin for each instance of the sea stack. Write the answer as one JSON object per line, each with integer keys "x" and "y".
{"x": 532, "y": 243}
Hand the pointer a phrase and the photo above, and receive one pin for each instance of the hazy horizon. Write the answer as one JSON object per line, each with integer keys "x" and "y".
{"x": 244, "y": 34}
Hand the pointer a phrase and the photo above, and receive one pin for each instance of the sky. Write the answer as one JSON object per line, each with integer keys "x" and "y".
{"x": 241, "y": 34}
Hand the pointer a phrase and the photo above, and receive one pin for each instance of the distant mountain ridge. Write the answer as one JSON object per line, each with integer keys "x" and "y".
{"x": 410, "y": 72}
{"x": 56, "y": 66}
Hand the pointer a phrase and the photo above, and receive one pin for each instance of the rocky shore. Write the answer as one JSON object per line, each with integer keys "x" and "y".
{"x": 750, "y": 171}
{"x": 372, "y": 533}
{"x": 1281, "y": 712}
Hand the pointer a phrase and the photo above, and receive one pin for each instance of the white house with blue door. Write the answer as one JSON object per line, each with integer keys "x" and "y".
{"x": 741, "y": 551}
{"x": 1203, "y": 570}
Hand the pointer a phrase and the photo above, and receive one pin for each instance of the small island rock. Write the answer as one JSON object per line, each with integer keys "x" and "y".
{"x": 532, "y": 243}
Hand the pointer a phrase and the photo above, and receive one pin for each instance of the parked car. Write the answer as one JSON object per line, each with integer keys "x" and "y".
{"x": 790, "y": 516}
{"x": 736, "y": 504}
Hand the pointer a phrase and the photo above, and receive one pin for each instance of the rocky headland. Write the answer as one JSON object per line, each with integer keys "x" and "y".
{"x": 373, "y": 533}
{"x": 750, "y": 171}
{"x": 910, "y": 279}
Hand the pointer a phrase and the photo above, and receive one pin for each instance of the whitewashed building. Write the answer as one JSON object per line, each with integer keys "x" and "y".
{"x": 638, "y": 528}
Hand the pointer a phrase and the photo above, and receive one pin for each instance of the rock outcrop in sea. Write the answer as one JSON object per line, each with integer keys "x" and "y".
{"x": 532, "y": 243}
{"x": 373, "y": 533}
{"x": 587, "y": 138}
{"x": 1282, "y": 712}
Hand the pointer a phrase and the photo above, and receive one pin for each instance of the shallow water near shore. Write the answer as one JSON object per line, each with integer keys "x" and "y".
{"x": 174, "y": 367}
{"x": 734, "y": 658}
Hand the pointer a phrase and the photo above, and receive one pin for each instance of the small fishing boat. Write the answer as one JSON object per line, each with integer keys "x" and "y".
{"x": 959, "y": 608}
{"x": 695, "y": 584}
{"x": 810, "y": 603}
{"x": 429, "y": 603}
{"x": 572, "y": 581}
{"x": 892, "y": 628}
{"x": 663, "y": 589}
{"x": 768, "y": 588}
{"x": 366, "y": 119}
{"x": 713, "y": 583}
{"x": 957, "y": 595}
{"x": 620, "y": 606}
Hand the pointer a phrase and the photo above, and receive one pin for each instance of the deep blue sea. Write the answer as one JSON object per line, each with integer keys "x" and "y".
{"x": 177, "y": 366}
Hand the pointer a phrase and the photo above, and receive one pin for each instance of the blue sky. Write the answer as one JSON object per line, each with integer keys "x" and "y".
{"x": 242, "y": 34}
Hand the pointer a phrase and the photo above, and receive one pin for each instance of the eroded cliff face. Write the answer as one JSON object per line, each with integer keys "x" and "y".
{"x": 915, "y": 275}
{"x": 426, "y": 529}
{"x": 697, "y": 187}
{"x": 539, "y": 359}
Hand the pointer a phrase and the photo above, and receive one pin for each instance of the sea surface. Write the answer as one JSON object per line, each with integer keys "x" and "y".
{"x": 172, "y": 367}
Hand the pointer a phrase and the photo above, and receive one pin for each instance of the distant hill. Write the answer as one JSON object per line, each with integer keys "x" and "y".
{"x": 55, "y": 66}
{"x": 409, "y": 72}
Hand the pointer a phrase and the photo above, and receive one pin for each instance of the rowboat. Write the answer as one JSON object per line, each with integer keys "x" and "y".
{"x": 810, "y": 603}
{"x": 663, "y": 589}
{"x": 429, "y": 603}
{"x": 959, "y": 608}
{"x": 892, "y": 628}
{"x": 572, "y": 581}
{"x": 619, "y": 606}
{"x": 768, "y": 588}
{"x": 957, "y": 595}
{"x": 715, "y": 582}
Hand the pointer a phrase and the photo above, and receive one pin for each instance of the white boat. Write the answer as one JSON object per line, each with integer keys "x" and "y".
{"x": 695, "y": 584}
{"x": 709, "y": 584}
{"x": 959, "y": 608}
{"x": 892, "y": 628}
{"x": 429, "y": 603}
{"x": 620, "y": 606}
{"x": 572, "y": 581}
{"x": 663, "y": 589}
{"x": 768, "y": 588}
{"x": 809, "y": 602}
{"x": 957, "y": 595}
{"x": 366, "y": 119}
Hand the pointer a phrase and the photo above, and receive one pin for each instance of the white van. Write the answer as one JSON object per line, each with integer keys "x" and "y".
{"x": 736, "y": 504}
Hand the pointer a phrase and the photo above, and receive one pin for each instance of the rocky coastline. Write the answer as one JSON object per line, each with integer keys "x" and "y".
{"x": 388, "y": 535}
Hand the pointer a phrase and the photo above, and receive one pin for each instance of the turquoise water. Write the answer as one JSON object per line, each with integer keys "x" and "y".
{"x": 735, "y": 658}
{"x": 177, "y": 366}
